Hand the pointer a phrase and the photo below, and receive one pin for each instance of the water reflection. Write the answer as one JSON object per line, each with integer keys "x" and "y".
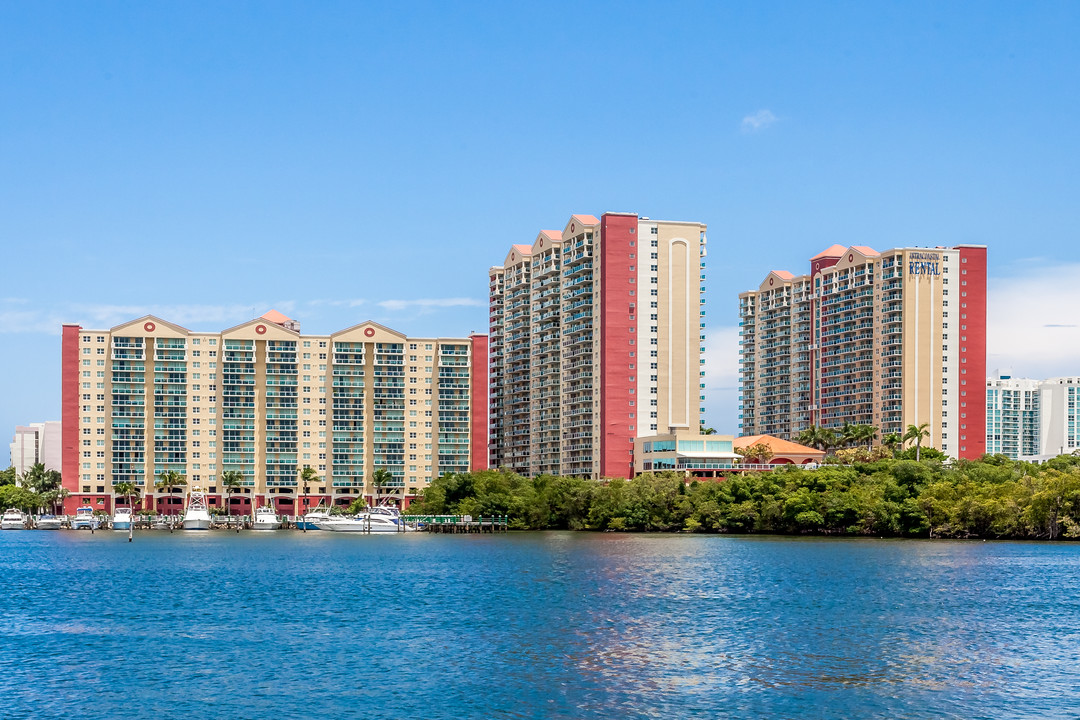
{"x": 543, "y": 625}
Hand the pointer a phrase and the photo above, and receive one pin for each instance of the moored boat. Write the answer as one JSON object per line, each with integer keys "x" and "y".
{"x": 265, "y": 519}
{"x": 376, "y": 520}
{"x": 13, "y": 519}
{"x": 121, "y": 519}
{"x": 197, "y": 515}
{"x": 85, "y": 519}
{"x": 311, "y": 519}
{"x": 48, "y": 522}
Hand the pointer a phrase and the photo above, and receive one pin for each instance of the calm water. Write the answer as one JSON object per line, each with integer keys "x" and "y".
{"x": 536, "y": 625}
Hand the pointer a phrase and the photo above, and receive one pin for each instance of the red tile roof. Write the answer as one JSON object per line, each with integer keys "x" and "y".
{"x": 275, "y": 317}
{"x": 830, "y": 252}
{"x": 778, "y": 446}
{"x": 586, "y": 219}
{"x": 868, "y": 251}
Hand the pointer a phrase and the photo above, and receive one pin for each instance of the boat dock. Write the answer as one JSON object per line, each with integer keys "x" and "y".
{"x": 461, "y": 523}
{"x": 452, "y": 524}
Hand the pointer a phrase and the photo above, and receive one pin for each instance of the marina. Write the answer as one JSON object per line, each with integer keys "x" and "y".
{"x": 375, "y": 520}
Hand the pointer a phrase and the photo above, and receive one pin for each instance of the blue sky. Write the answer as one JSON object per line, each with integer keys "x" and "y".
{"x": 351, "y": 161}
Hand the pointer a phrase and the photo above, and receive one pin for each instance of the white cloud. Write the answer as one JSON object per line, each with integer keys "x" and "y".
{"x": 758, "y": 121}
{"x": 1032, "y": 323}
{"x": 430, "y": 303}
{"x": 30, "y": 321}
{"x": 208, "y": 317}
{"x": 184, "y": 315}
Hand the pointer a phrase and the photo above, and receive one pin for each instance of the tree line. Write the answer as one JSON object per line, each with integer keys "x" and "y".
{"x": 35, "y": 490}
{"x": 993, "y": 497}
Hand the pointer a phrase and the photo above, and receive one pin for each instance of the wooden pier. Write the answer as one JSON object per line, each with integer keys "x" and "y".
{"x": 460, "y": 524}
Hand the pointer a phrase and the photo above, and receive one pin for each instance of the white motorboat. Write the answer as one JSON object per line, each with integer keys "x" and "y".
{"x": 121, "y": 519}
{"x": 49, "y": 522}
{"x": 85, "y": 519}
{"x": 310, "y": 520}
{"x": 13, "y": 519}
{"x": 265, "y": 519}
{"x": 376, "y": 520}
{"x": 197, "y": 515}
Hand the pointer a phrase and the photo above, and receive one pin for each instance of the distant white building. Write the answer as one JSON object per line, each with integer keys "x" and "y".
{"x": 1058, "y": 431}
{"x": 36, "y": 443}
{"x": 1032, "y": 419}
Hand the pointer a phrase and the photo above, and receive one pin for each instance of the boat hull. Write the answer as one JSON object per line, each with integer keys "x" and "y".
{"x": 49, "y": 524}
{"x": 121, "y": 525}
{"x": 359, "y": 526}
{"x": 85, "y": 524}
{"x": 266, "y": 526}
{"x": 196, "y": 524}
{"x": 12, "y": 525}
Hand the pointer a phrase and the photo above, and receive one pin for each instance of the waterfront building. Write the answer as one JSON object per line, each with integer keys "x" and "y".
{"x": 1032, "y": 419}
{"x": 597, "y": 335}
{"x": 888, "y": 339}
{"x": 36, "y": 443}
{"x": 262, "y": 400}
{"x": 711, "y": 456}
{"x": 1012, "y": 416}
{"x": 784, "y": 452}
{"x": 686, "y": 451}
{"x": 1059, "y": 432}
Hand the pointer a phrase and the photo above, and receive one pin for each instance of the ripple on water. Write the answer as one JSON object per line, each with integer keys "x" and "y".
{"x": 535, "y": 625}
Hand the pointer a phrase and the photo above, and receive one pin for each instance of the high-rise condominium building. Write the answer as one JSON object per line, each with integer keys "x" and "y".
{"x": 1032, "y": 419}
{"x": 888, "y": 339}
{"x": 1012, "y": 416}
{"x": 596, "y": 338}
{"x": 36, "y": 443}
{"x": 262, "y": 400}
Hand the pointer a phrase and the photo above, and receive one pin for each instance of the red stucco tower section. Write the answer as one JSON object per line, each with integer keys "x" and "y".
{"x": 478, "y": 404}
{"x": 69, "y": 409}
{"x": 620, "y": 298}
{"x": 972, "y": 351}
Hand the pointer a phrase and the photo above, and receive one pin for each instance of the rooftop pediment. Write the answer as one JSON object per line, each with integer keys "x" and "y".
{"x": 150, "y": 326}
{"x": 259, "y": 329}
{"x": 368, "y": 331}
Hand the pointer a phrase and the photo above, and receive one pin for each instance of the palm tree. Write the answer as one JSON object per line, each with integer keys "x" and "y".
{"x": 44, "y": 483}
{"x": 380, "y": 478}
{"x": 128, "y": 490}
{"x": 916, "y": 433}
{"x": 55, "y": 497}
{"x": 706, "y": 430}
{"x": 891, "y": 441}
{"x": 168, "y": 480}
{"x": 828, "y": 439}
{"x": 867, "y": 434}
{"x": 38, "y": 479}
{"x": 822, "y": 438}
{"x": 807, "y": 437}
{"x": 849, "y": 434}
{"x": 231, "y": 480}
{"x": 307, "y": 477}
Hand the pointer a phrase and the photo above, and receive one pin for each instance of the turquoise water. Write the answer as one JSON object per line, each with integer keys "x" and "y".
{"x": 534, "y": 625}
